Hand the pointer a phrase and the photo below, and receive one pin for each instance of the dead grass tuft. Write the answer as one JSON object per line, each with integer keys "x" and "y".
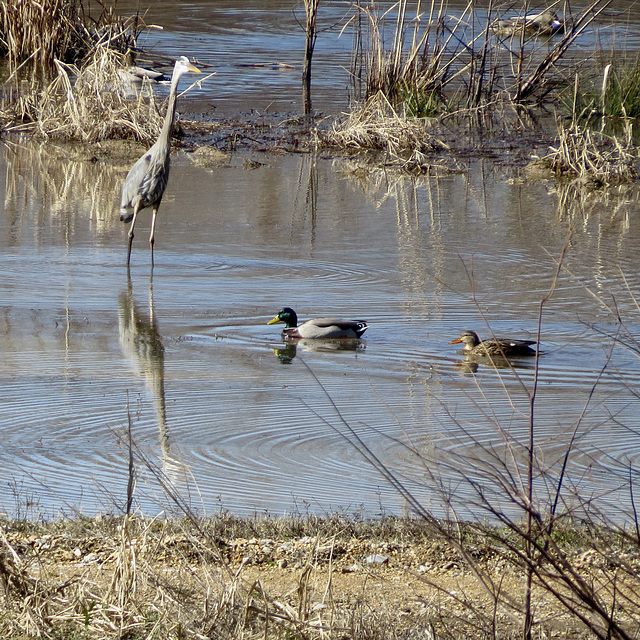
{"x": 377, "y": 126}
{"x": 593, "y": 158}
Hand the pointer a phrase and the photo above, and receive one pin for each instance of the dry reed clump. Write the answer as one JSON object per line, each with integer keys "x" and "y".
{"x": 87, "y": 104}
{"x": 593, "y": 158}
{"x": 377, "y": 126}
{"x": 39, "y": 32}
{"x": 419, "y": 56}
{"x": 431, "y": 54}
{"x": 79, "y": 94}
{"x": 42, "y": 32}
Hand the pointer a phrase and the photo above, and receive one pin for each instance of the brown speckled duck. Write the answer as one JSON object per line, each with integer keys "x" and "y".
{"x": 542, "y": 24}
{"x": 494, "y": 347}
{"x": 318, "y": 328}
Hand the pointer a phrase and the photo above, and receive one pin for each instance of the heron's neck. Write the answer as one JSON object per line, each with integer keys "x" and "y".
{"x": 167, "y": 126}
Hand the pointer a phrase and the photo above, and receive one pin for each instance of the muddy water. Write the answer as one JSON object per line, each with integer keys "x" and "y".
{"x": 228, "y": 416}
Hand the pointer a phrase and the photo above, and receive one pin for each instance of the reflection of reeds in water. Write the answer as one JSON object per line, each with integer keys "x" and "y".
{"x": 381, "y": 186}
{"x": 577, "y": 203}
{"x": 307, "y": 194}
{"x": 43, "y": 180}
{"x": 142, "y": 345}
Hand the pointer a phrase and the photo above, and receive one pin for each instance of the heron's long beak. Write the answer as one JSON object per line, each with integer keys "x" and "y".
{"x": 193, "y": 69}
{"x": 274, "y": 320}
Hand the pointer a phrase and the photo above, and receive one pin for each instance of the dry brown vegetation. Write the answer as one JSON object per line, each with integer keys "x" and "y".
{"x": 32, "y": 32}
{"x": 436, "y": 67}
{"x": 38, "y": 34}
{"x": 537, "y": 574}
{"x": 427, "y": 84}
{"x": 586, "y": 155}
{"x": 405, "y": 142}
{"x": 88, "y": 104}
{"x": 290, "y": 577}
{"x": 66, "y": 74}
{"x": 461, "y": 59}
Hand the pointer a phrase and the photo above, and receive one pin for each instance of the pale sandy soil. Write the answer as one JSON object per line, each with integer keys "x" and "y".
{"x": 353, "y": 586}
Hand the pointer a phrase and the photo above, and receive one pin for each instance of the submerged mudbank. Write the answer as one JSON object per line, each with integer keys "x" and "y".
{"x": 443, "y": 148}
{"x": 431, "y": 149}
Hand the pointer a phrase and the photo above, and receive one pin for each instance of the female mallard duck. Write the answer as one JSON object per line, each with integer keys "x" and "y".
{"x": 494, "y": 347}
{"x": 318, "y": 328}
{"x": 542, "y": 24}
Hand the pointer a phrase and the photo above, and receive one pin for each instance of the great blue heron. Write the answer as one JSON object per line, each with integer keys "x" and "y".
{"x": 147, "y": 179}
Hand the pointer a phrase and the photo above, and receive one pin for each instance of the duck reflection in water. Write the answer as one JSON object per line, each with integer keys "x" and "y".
{"x": 287, "y": 352}
{"x": 142, "y": 345}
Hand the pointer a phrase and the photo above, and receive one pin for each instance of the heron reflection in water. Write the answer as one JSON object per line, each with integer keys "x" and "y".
{"x": 146, "y": 181}
{"x": 142, "y": 345}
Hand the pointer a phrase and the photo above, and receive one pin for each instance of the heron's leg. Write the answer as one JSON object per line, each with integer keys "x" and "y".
{"x": 133, "y": 224}
{"x": 152, "y": 238}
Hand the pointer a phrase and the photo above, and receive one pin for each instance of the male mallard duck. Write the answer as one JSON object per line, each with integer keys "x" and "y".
{"x": 494, "y": 347}
{"x": 318, "y": 328}
{"x": 542, "y": 24}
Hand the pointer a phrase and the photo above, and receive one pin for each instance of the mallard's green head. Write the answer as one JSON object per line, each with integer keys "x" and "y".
{"x": 286, "y": 315}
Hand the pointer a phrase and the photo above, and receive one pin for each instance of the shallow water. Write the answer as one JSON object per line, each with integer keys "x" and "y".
{"x": 227, "y": 415}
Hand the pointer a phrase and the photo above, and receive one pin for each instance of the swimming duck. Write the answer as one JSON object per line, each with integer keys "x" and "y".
{"x": 542, "y": 24}
{"x": 318, "y": 328}
{"x": 494, "y": 347}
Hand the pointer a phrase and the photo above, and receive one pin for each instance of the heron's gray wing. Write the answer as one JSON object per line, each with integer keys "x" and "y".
{"x": 147, "y": 179}
{"x": 134, "y": 180}
{"x": 155, "y": 178}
